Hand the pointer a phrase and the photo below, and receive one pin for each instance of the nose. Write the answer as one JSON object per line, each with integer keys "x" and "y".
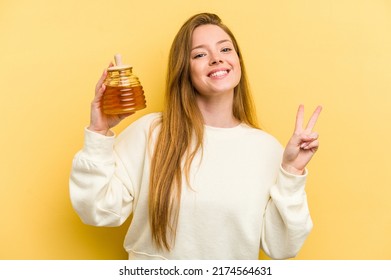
{"x": 215, "y": 59}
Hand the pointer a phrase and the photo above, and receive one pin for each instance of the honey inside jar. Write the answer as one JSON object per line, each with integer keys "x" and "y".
{"x": 124, "y": 92}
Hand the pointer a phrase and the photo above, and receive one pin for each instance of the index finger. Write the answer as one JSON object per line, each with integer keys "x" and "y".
{"x": 102, "y": 78}
{"x": 299, "y": 118}
{"x": 314, "y": 118}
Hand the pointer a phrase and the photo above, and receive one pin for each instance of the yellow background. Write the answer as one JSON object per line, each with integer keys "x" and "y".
{"x": 336, "y": 53}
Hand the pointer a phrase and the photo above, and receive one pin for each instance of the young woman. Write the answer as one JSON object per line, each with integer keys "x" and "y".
{"x": 201, "y": 180}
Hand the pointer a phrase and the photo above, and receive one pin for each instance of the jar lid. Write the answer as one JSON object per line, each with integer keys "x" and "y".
{"x": 118, "y": 64}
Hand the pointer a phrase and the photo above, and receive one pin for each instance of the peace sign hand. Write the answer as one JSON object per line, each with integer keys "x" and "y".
{"x": 302, "y": 145}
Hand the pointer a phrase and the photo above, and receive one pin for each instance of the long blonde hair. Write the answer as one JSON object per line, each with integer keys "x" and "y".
{"x": 182, "y": 130}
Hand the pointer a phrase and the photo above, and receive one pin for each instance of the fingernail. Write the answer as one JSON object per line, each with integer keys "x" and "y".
{"x": 314, "y": 135}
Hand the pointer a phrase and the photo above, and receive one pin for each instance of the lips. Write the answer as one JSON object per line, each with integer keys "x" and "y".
{"x": 218, "y": 73}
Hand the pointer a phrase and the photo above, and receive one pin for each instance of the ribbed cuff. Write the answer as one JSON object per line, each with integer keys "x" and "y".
{"x": 98, "y": 147}
{"x": 289, "y": 184}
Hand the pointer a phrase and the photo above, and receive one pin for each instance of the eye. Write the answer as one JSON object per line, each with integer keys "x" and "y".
{"x": 227, "y": 49}
{"x": 198, "y": 55}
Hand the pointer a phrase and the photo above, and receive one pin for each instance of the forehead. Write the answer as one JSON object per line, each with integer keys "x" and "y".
{"x": 208, "y": 34}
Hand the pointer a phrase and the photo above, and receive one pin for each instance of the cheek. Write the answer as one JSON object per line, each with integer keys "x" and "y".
{"x": 195, "y": 74}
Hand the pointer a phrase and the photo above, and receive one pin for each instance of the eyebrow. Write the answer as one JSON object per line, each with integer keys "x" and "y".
{"x": 218, "y": 43}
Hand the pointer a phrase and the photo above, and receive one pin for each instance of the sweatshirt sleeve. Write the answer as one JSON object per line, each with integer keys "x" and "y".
{"x": 101, "y": 191}
{"x": 287, "y": 221}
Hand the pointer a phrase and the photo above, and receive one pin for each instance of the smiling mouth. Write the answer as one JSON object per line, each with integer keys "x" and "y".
{"x": 218, "y": 74}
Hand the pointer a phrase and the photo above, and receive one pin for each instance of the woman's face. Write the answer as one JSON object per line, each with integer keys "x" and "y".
{"x": 214, "y": 63}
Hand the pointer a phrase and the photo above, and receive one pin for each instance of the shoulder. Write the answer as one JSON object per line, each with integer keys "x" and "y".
{"x": 263, "y": 143}
{"x": 141, "y": 127}
{"x": 147, "y": 120}
{"x": 261, "y": 136}
{"x": 144, "y": 122}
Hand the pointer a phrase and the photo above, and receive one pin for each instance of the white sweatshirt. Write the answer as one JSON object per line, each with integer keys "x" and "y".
{"x": 240, "y": 198}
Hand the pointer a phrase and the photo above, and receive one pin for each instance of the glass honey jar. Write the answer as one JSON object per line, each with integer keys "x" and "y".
{"x": 124, "y": 92}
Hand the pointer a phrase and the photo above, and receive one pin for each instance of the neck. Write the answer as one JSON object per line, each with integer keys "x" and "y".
{"x": 217, "y": 111}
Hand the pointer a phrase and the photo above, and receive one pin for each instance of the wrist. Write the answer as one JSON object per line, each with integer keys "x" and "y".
{"x": 104, "y": 132}
{"x": 293, "y": 170}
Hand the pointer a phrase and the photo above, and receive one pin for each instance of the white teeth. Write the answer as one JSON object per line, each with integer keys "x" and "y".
{"x": 219, "y": 73}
